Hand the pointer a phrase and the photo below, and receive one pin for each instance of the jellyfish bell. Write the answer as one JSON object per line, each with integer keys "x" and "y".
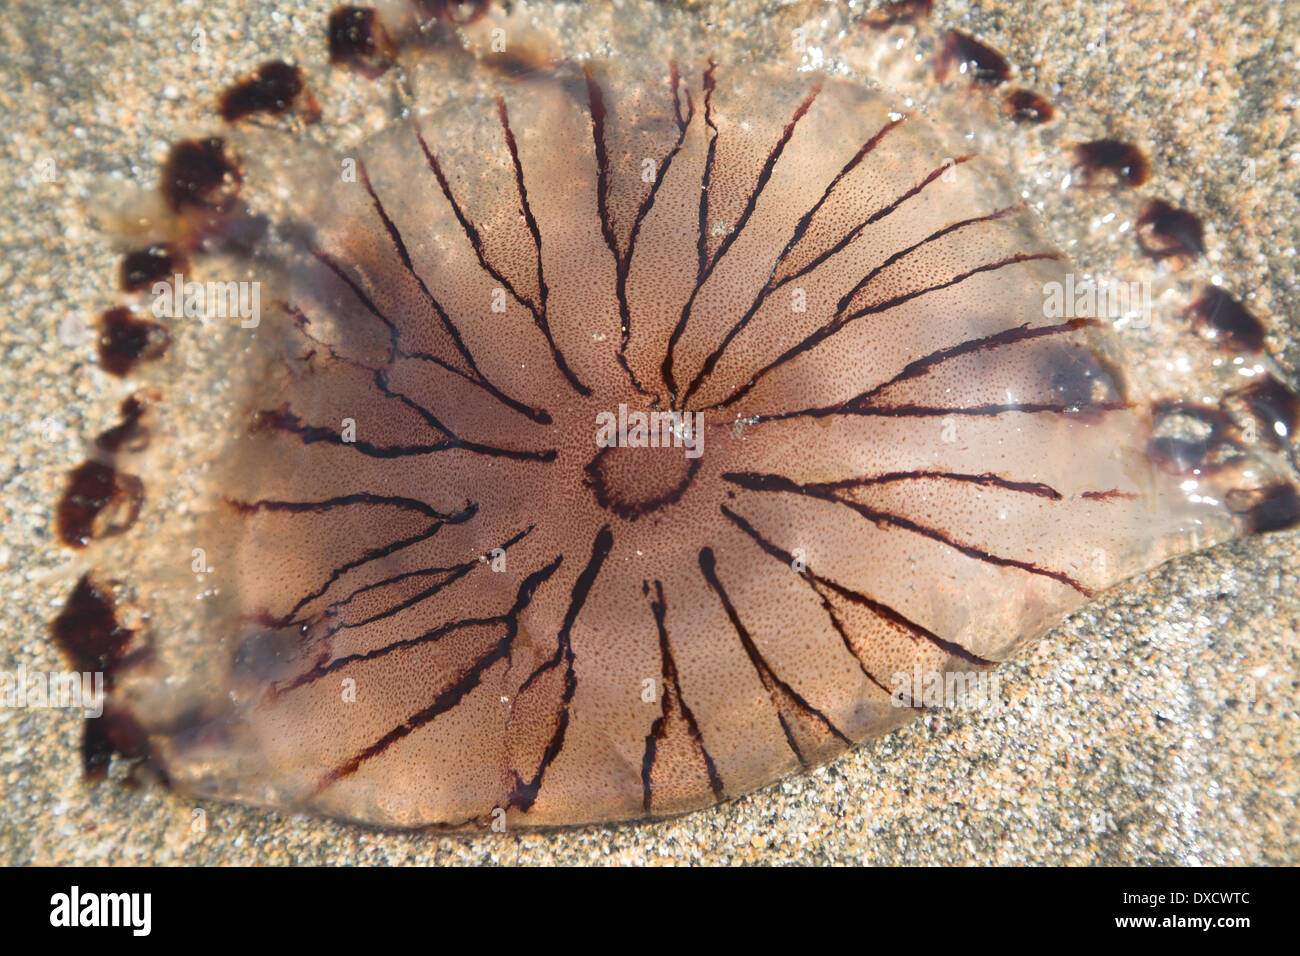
{"x": 613, "y": 435}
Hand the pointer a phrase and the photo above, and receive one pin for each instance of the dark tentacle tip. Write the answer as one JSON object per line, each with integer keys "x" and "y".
{"x": 1274, "y": 508}
{"x": 1125, "y": 162}
{"x": 200, "y": 174}
{"x": 92, "y": 638}
{"x": 1189, "y": 438}
{"x": 1216, "y": 315}
{"x": 141, "y": 268}
{"x": 1026, "y": 106}
{"x": 1272, "y": 405}
{"x": 983, "y": 63}
{"x": 125, "y": 341}
{"x": 359, "y": 42}
{"x": 98, "y": 502}
{"x": 115, "y": 733}
{"x": 87, "y": 630}
{"x": 130, "y": 434}
{"x": 1165, "y": 232}
{"x": 275, "y": 87}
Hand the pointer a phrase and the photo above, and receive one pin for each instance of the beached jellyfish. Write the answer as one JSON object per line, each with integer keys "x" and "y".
{"x": 596, "y": 438}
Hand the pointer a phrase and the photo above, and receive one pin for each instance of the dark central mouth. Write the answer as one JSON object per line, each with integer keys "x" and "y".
{"x": 646, "y": 460}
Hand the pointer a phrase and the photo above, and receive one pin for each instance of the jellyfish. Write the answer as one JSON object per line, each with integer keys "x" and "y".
{"x": 595, "y": 438}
